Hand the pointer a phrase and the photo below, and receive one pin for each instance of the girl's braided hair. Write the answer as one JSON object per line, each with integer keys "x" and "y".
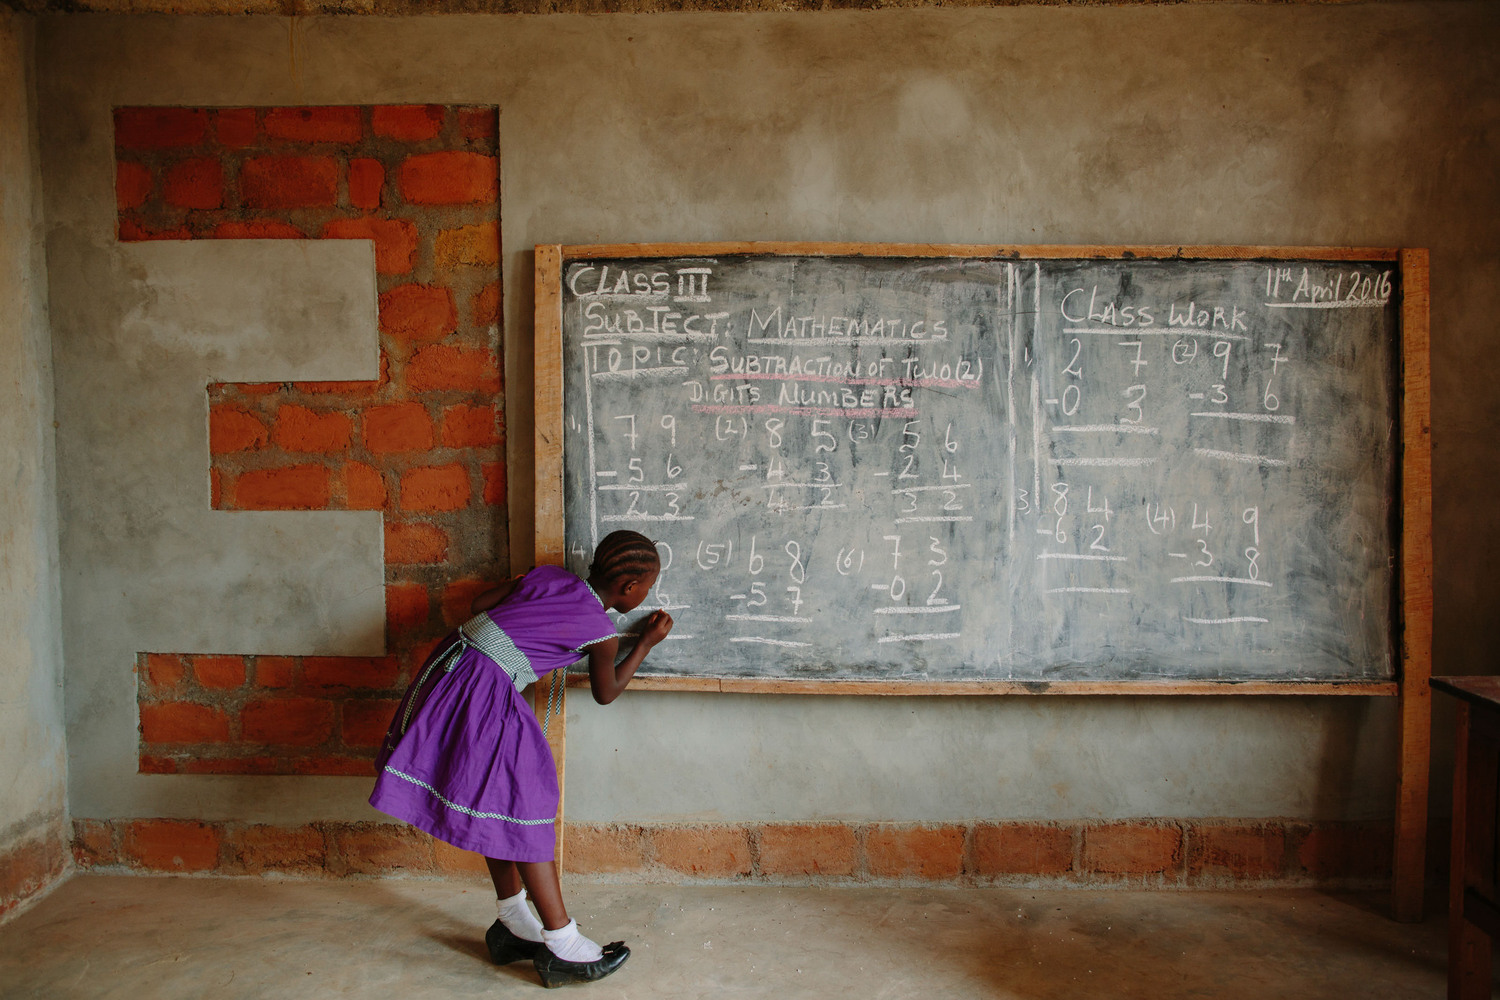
{"x": 624, "y": 553}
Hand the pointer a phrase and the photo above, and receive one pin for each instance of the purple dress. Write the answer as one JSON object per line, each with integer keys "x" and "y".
{"x": 465, "y": 759}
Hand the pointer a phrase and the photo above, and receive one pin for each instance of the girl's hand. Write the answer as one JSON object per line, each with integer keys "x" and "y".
{"x": 655, "y": 626}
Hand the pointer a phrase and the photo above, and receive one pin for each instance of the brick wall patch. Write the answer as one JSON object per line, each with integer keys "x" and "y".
{"x": 423, "y": 443}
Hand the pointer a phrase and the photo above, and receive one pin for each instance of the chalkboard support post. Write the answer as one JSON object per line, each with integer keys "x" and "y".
{"x": 548, "y": 441}
{"x": 1408, "y": 860}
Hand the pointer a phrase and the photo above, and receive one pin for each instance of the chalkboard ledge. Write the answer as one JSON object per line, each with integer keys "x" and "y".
{"x": 777, "y": 685}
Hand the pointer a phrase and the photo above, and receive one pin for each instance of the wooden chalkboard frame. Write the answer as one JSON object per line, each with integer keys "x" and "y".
{"x": 1413, "y": 625}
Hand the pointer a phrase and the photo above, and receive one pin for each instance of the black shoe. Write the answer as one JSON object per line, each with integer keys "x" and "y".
{"x": 556, "y": 972}
{"x": 506, "y": 948}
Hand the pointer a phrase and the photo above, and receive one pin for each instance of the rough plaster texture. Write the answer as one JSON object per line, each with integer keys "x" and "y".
{"x": 1369, "y": 124}
{"x": 142, "y": 551}
{"x": 33, "y": 778}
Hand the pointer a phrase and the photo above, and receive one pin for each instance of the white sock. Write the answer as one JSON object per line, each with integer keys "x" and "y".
{"x": 570, "y": 946}
{"x": 518, "y": 918}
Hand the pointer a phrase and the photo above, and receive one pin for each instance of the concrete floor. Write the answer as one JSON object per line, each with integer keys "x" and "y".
{"x": 163, "y": 938}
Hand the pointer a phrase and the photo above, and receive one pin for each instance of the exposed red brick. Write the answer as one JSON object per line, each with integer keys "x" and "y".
{"x": 478, "y": 123}
{"x": 148, "y": 763}
{"x": 231, "y": 765}
{"x": 159, "y": 128}
{"x": 397, "y": 427}
{"x": 603, "y": 849}
{"x": 308, "y": 124}
{"x": 467, "y": 426}
{"x": 440, "y": 366}
{"x": 456, "y": 861}
{"x": 376, "y": 849}
{"x": 477, "y": 245}
{"x": 233, "y": 428}
{"x": 300, "y": 429}
{"x": 334, "y": 764}
{"x": 235, "y": 127}
{"x": 1131, "y": 849}
{"x": 1022, "y": 849}
{"x": 134, "y": 231}
{"x": 458, "y": 599}
{"x": 706, "y": 851}
{"x": 1256, "y": 851}
{"x": 895, "y": 851}
{"x": 258, "y": 229}
{"x": 322, "y": 672}
{"x": 449, "y": 178}
{"x": 435, "y": 488}
{"x": 27, "y": 868}
{"x": 94, "y": 843}
{"x": 275, "y": 848}
{"x": 215, "y": 488}
{"x": 414, "y": 542}
{"x": 366, "y": 178}
{"x": 172, "y": 845}
{"x": 365, "y": 722}
{"x": 195, "y": 183}
{"x": 133, "y": 183}
{"x": 487, "y": 305}
{"x": 183, "y": 722}
{"x": 395, "y": 242}
{"x": 1343, "y": 850}
{"x": 275, "y": 671}
{"x": 219, "y": 672}
{"x": 164, "y": 670}
{"x": 364, "y": 487}
{"x": 289, "y": 181}
{"x": 418, "y": 312}
{"x": 806, "y": 849}
{"x": 297, "y": 487}
{"x": 494, "y": 482}
{"x": 408, "y": 122}
{"x": 288, "y": 721}
{"x": 406, "y": 604}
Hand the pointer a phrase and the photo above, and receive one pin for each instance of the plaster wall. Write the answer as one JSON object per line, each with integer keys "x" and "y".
{"x": 1369, "y": 124}
{"x": 33, "y": 779}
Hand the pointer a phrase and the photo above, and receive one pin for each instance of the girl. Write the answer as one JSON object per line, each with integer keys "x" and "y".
{"x": 465, "y": 760}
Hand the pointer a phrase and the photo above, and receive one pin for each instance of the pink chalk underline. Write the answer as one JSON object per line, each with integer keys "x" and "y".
{"x": 805, "y": 411}
{"x": 922, "y": 383}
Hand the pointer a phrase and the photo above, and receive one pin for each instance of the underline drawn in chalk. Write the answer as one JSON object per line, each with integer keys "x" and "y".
{"x": 642, "y": 488}
{"x": 1081, "y": 556}
{"x": 1263, "y": 418}
{"x": 1103, "y": 429}
{"x": 626, "y": 374}
{"x": 1226, "y": 621}
{"x": 1086, "y": 590}
{"x": 932, "y": 489}
{"x": 1221, "y": 579}
{"x": 921, "y": 637}
{"x": 767, "y": 642}
{"x": 1098, "y": 462}
{"x": 931, "y": 520}
{"x": 646, "y": 517}
{"x": 934, "y": 610}
{"x": 1135, "y": 331}
{"x": 766, "y": 618}
{"x": 1328, "y": 304}
{"x": 1235, "y": 456}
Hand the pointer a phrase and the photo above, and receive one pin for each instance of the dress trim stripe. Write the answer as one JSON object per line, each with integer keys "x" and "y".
{"x": 465, "y": 809}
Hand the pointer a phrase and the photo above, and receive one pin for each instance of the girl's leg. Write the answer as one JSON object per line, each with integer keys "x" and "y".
{"x": 503, "y": 873}
{"x": 545, "y": 890}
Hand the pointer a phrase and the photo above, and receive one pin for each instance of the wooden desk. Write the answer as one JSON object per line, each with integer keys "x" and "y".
{"x": 1473, "y": 913}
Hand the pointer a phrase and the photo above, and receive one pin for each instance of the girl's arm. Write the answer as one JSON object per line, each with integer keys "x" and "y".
{"x": 607, "y": 678}
{"x": 489, "y": 598}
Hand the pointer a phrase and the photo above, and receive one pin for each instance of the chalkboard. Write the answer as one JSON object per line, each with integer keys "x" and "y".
{"x": 1008, "y": 467}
